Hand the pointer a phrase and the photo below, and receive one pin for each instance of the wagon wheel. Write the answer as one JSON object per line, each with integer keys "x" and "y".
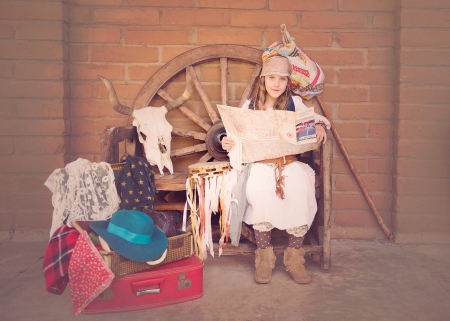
{"x": 211, "y": 128}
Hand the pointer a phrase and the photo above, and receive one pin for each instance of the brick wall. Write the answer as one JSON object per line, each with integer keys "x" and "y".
{"x": 368, "y": 50}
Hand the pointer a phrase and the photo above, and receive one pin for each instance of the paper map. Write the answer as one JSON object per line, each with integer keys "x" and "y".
{"x": 264, "y": 134}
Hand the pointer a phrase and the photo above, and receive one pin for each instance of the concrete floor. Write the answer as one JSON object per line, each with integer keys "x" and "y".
{"x": 368, "y": 281}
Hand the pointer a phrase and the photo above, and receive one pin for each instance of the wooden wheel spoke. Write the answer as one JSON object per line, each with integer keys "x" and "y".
{"x": 223, "y": 81}
{"x": 250, "y": 85}
{"x": 188, "y": 133}
{"x": 204, "y": 158}
{"x": 209, "y": 108}
{"x": 189, "y": 114}
{"x": 188, "y": 150}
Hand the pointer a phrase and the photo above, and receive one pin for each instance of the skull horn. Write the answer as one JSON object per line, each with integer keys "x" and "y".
{"x": 184, "y": 97}
{"x": 116, "y": 105}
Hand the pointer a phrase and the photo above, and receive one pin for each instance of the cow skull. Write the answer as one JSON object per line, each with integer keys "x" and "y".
{"x": 153, "y": 129}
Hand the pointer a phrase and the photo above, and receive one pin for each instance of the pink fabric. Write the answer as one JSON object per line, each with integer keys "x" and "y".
{"x": 88, "y": 274}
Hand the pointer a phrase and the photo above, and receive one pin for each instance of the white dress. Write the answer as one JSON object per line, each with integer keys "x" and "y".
{"x": 299, "y": 206}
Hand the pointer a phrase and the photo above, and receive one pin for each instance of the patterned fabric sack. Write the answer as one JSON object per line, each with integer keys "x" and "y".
{"x": 307, "y": 78}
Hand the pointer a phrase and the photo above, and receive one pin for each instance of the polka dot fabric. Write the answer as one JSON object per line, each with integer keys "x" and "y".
{"x": 88, "y": 274}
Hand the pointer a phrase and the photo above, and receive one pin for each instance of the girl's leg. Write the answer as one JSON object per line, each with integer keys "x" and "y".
{"x": 264, "y": 256}
{"x": 295, "y": 242}
{"x": 294, "y": 255}
{"x": 263, "y": 239}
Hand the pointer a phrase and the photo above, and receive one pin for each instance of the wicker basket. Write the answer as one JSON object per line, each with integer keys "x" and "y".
{"x": 179, "y": 247}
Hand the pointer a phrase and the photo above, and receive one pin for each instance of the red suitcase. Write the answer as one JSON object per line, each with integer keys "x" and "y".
{"x": 167, "y": 284}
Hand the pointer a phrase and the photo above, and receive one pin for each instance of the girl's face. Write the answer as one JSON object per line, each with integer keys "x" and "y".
{"x": 275, "y": 85}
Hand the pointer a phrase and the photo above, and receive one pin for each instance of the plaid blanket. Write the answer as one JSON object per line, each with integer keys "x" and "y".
{"x": 57, "y": 257}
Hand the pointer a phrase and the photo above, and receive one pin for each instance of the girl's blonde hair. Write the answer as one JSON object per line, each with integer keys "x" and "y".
{"x": 260, "y": 98}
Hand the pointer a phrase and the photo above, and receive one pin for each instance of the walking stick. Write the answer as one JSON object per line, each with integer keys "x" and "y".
{"x": 355, "y": 173}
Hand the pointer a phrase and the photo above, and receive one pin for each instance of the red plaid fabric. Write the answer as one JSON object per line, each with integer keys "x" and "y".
{"x": 57, "y": 257}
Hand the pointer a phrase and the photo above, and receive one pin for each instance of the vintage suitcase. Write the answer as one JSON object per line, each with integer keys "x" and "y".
{"x": 172, "y": 283}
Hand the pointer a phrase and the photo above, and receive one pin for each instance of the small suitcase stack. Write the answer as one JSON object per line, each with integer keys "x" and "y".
{"x": 171, "y": 283}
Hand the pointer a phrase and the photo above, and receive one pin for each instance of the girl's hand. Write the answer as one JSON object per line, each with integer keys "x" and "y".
{"x": 227, "y": 143}
{"x": 321, "y": 134}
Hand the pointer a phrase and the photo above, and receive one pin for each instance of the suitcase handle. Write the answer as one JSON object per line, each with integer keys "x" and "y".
{"x": 152, "y": 286}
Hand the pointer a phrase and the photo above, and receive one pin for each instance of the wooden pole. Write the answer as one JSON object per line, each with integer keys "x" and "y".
{"x": 355, "y": 173}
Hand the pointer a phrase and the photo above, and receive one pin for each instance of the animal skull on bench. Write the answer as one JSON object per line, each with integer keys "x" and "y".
{"x": 153, "y": 129}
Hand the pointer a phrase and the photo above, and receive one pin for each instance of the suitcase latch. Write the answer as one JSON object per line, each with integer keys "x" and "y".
{"x": 183, "y": 283}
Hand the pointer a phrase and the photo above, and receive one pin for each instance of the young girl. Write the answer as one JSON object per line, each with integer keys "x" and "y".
{"x": 290, "y": 206}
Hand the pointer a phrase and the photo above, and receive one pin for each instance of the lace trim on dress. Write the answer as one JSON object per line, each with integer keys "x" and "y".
{"x": 297, "y": 231}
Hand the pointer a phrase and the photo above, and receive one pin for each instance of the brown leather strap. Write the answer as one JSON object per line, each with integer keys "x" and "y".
{"x": 279, "y": 178}
{"x": 283, "y": 159}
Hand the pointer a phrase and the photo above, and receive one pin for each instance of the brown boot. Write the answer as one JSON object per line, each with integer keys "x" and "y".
{"x": 294, "y": 261}
{"x": 264, "y": 263}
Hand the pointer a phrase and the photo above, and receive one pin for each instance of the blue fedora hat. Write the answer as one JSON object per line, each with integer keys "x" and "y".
{"x": 133, "y": 235}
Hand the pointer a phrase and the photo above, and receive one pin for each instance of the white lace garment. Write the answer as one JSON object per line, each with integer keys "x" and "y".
{"x": 82, "y": 191}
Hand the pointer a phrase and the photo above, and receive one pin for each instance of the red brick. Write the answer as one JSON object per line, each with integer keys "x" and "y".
{"x": 333, "y": 20}
{"x": 383, "y": 21}
{"x": 370, "y": 76}
{"x": 29, "y": 202}
{"x": 7, "y": 183}
{"x": 423, "y": 168}
{"x": 367, "y": 5}
{"x": 78, "y": 53}
{"x": 229, "y": 36}
{"x": 342, "y": 201}
{"x": 337, "y": 57}
{"x": 421, "y": 204}
{"x": 358, "y": 218}
{"x": 82, "y": 127}
{"x": 123, "y": 54}
{"x": 79, "y": 15}
{"x": 98, "y": 2}
{"x": 168, "y": 53}
{"x": 31, "y": 50}
{"x": 375, "y": 182}
{"x": 366, "y": 39}
{"x": 369, "y": 112}
{"x": 6, "y": 146}
{"x": 85, "y": 144}
{"x": 379, "y": 165}
{"x": 35, "y": 89}
{"x": 97, "y": 35}
{"x": 91, "y": 71}
{"x": 381, "y": 93}
{"x": 371, "y": 147}
{"x": 7, "y": 222}
{"x": 425, "y": 149}
{"x": 6, "y": 70}
{"x": 32, "y": 127}
{"x": 42, "y": 108}
{"x": 319, "y": 5}
{"x": 421, "y": 224}
{"x": 89, "y": 108}
{"x": 6, "y": 108}
{"x": 31, "y": 163}
{"x": 31, "y": 183}
{"x": 6, "y": 31}
{"x": 36, "y": 31}
{"x": 425, "y": 75}
{"x": 425, "y": 38}
{"x": 158, "y": 37}
{"x": 37, "y": 145}
{"x": 32, "y": 220}
{"x": 345, "y": 94}
{"x": 424, "y": 57}
{"x": 380, "y": 56}
{"x": 425, "y": 19}
{"x": 351, "y": 129}
{"x": 431, "y": 113}
{"x": 31, "y": 10}
{"x": 262, "y": 18}
{"x": 340, "y": 165}
{"x": 40, "y": 71}
{"x": 414, "y": 94}
{"x": 422, "y": 186}
{"x": 232, "y": 4}
{"x": 196, "y": 17}
{"x": 380, "y": 130}
{"x": 419, "y": 4}
{"x": 123, "y": 91}
{"x": 162, "y": 3}
{"x": 302, "y": 38}
{"x": 81, "y": 91}
{"x": 100, "y": 125}
{"x": 126, "y": 16}
{"x": 141, "y": 72}
{"x": 422, "y": 130}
